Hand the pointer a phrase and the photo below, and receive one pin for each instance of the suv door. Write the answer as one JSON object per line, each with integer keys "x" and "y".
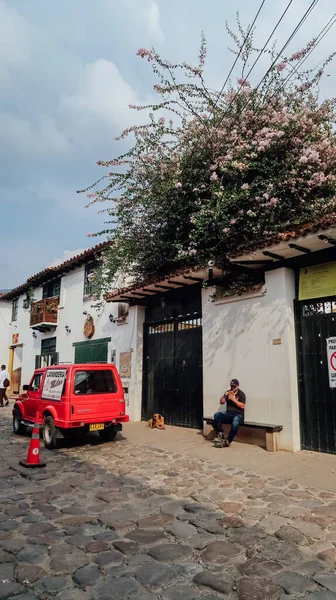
{"x": 95, "y": 396}
{"x": 34, "y": 395}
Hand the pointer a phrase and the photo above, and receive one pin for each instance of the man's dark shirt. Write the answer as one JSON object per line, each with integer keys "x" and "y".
{"x": 232, "y": 408}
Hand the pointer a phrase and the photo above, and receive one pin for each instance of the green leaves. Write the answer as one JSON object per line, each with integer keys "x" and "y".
{"x": 211, "y": 173}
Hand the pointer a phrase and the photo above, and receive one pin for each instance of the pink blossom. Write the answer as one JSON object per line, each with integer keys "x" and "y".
{"x": 89, "y": 234}
{"x": 161, "y": 121}
{"x": 233, "y": 221}
{"x": 243, "y": 82}
{"x": 280, "y": 67}
{"x": 266, "y": 196}
{"x": 178, "y": 185}
{"x": 214, "y": 176}
{"x": 226, "y": 229}
{"x": 245, "y": 186}
{"x": 273, "y": 202}
{"x": 204, "y": 116}
{"x": 297, "y": 55}
{"x": 143, "y": 53}
{"x": 192, "y": 252}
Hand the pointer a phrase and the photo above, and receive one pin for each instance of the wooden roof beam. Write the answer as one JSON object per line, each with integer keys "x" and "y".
{"x": 328, "y": 239}
{"x": 192, "y": 278}
{"x": 299, "y": 248}
{"x": 273, "y": 255}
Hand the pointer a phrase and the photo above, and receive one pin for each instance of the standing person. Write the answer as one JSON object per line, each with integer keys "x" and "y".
{"x": 4, "y": 384}
{"x": 235, "y": 401}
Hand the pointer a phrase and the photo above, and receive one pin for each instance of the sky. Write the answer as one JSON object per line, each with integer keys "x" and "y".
{"x": 68, "y": 72}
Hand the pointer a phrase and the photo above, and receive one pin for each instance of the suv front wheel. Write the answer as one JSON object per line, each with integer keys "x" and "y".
{"x": 18, "y": 428}
{"x": 49, "y": 433}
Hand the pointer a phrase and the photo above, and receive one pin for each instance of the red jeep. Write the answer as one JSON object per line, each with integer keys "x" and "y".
{"x": 65, "y": 399}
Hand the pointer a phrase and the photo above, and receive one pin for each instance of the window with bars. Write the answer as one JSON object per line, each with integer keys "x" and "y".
{"x": 15, "y": 308}
{"x": 48, "y": 346}
{"x": 91, "y": 287}
{"x": 48, "y": 355}
{"x": 52, "y": 289}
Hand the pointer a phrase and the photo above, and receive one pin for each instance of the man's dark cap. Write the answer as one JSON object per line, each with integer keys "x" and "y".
{"x": 234, "y": 382}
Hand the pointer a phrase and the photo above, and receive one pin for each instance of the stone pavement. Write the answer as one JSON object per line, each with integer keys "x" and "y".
{"x": 126, "y": 521}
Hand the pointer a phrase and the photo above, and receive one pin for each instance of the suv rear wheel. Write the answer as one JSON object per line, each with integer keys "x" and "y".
{"x": 18, "y": 427}
{"x": 108, "y": 434}
{"x": 49, "y": 433}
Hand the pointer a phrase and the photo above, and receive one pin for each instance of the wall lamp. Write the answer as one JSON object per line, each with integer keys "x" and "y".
{"x": 34, "y": 334}
{"x": 67, "y": 329}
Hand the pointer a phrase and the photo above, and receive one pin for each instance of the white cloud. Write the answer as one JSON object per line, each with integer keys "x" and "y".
{"x": 153, "y": 23}
{"x": 33, "y": 140}
{"x": 104, "y": 94}
{"x": 67, "y": 254}
{"x": 14, "y": 36}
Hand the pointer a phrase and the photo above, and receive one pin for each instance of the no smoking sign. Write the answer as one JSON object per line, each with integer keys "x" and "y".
{"x": 333, "y": 361}
{"x": 331, "y": 352}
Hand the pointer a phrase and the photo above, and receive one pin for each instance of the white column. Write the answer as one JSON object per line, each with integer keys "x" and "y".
{"x": 284, "y": 406}
{"x": 135, "y": 389}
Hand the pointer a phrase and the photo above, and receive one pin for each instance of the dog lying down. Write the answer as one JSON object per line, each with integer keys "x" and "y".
{"x": 157, "y": 422}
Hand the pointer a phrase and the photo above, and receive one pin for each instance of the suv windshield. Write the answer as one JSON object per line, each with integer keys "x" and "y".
{"x": 94, "y": 382}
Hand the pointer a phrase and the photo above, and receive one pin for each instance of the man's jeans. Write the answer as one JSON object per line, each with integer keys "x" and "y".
{"x": 231, "y": 419}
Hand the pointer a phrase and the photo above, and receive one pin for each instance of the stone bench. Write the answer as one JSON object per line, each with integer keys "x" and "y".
{"x": 258, "y": 434}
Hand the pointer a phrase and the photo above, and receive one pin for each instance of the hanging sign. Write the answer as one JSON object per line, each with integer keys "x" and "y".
{"x": 318, "y": 281}
{"x": 15, "y": 338}
{"x": 331, "y": 353}
{"x": 53, "y": 384}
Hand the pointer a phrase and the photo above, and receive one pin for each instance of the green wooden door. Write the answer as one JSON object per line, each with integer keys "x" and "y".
{"x": 91, "y": 351}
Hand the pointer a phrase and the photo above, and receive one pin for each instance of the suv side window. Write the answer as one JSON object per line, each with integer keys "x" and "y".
{"x": 36, "y": 383}
{"x": 94, "y": 382}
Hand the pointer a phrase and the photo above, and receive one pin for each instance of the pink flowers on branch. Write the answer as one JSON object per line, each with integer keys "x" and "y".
{"x": 223, "y": 171}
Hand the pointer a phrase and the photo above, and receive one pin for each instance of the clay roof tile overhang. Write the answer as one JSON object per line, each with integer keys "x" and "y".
{"x": 53, "y": 272}
{"x": 179, "y": 279}
{"x": 305, "y": 239}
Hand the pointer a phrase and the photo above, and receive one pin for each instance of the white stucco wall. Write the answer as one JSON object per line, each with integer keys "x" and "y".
{"x": 124, "y": 337}
{"x": 5, "y": 316}
{"x": 238, "y": 339}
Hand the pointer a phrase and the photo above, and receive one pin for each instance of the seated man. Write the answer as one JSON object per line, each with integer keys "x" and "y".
{"x": 235, "y": 401}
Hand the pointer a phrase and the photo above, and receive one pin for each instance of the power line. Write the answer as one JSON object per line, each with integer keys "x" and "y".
{"x": 299, "y": 25}
{"x": 319, "y": 38}
{"x": 259, "y": 56}
{"x": 241, "y": 49}
{"x": 236, "y": 60}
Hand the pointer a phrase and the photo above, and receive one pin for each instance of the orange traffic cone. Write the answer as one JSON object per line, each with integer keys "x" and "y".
{"x": 33, "y": 456}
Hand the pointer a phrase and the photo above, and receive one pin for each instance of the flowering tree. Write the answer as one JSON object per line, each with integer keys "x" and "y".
{"x": 222, "y": 170}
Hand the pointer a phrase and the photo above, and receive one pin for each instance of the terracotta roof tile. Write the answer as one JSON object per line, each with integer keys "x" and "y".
{"x": 297, "y": 232}
{"x": 151, "y": 280}
{"x": 51, "y": 272}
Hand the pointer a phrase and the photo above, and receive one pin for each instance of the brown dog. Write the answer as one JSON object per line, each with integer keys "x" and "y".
{"x": 157, "y": 422}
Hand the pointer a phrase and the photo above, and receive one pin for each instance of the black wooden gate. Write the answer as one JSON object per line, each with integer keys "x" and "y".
{"x": 316, "y": 322}
{"x": 173, "y": 379}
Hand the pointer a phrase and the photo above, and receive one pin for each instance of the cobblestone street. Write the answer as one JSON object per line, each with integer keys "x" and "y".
{"x": 122, "y": 520}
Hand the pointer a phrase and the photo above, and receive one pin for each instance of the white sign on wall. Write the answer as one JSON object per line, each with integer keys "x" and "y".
{"x": 53, "y": 384}
{"x": 331, "y": 353}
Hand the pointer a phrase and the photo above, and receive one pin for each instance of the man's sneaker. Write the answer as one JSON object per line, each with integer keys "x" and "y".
{"x": 220, "y": 437}
{"x": 227, "y": 444}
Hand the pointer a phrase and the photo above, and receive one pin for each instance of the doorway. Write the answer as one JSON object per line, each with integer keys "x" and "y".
{"x": 316, "y": 323}
{"x": 173, "y": 377}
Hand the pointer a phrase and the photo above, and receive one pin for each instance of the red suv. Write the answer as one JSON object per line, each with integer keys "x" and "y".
{"x": 65, "y": 399}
